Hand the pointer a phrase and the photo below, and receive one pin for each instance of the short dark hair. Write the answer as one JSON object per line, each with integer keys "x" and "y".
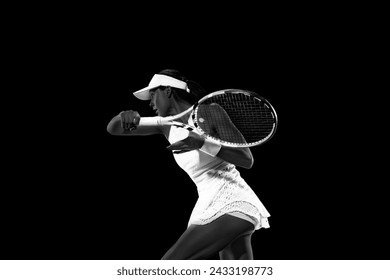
{"x": 195, "y": 90}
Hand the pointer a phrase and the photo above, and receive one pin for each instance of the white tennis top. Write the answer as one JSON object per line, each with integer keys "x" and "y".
{"x": 221, "y": 189}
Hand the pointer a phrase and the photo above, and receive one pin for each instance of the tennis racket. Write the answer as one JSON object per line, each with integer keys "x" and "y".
{"x": 232, "y": 117}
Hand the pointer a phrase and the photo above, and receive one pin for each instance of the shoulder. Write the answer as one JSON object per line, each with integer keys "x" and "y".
{"x": 212, "y": 112}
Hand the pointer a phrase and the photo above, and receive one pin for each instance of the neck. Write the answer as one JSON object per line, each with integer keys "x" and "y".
{"x": 180, "y": 106}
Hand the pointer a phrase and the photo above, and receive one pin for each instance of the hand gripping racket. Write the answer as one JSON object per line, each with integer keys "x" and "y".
{"x": 232, "y": 117}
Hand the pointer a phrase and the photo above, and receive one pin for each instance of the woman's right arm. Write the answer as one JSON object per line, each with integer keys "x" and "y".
{"x": 126, "y": 123}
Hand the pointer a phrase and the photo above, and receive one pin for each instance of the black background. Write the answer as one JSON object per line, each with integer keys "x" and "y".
{"x": 76, "y": 192}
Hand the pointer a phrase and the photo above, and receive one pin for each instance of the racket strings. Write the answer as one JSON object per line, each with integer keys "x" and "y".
{"x": 239, "y": 118}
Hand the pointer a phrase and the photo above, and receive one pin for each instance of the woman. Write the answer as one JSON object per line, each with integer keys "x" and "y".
{"x": 227, "y": 211}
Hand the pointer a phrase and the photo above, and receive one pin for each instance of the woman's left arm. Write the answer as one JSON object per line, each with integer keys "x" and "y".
{"x": 238, "y": 156}
{"x": 226, "y": 130}
{"x": 241, "y": 157}
{"x": 222, "y": 128}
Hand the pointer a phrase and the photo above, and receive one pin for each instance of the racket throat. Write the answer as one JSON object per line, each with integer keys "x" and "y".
{"x": 183, "y": 125}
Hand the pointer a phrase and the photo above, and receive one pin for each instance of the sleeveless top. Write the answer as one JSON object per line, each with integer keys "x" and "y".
{"x": 221, "y": 189}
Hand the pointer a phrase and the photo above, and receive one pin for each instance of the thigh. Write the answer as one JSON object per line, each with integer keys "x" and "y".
{"x": 238, "y": 249}
{"x": 202, "y": 241}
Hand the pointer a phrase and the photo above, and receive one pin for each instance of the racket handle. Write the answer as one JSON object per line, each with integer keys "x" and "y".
{"x": 150, "y": 121}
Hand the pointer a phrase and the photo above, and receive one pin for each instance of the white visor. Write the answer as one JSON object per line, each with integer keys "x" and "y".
{"x": 160, "y": 80}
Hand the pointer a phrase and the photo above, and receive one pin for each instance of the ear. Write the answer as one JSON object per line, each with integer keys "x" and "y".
{"x": 168, "y": 91}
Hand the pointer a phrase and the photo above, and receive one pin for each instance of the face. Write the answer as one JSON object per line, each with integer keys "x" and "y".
{"x": 159, "y": 102}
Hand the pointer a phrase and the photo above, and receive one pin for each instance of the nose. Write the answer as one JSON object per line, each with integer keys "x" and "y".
{"x": 151, "y": 104}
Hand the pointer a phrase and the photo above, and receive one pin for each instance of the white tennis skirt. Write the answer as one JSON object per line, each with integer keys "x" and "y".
{"x": 226, "y": 192}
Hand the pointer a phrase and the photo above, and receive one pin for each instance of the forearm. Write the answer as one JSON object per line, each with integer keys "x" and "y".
{"x": 238, "y": 156}
{"x": 114, "y": 127}
{"x": 241, "y": 157}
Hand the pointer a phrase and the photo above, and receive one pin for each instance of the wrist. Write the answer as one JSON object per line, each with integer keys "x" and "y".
{"x": 210, "y": 147}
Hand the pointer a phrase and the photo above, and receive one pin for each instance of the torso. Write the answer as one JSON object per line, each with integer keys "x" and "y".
{"x": 220, "y": 187}
{"x": 195, "y": 163}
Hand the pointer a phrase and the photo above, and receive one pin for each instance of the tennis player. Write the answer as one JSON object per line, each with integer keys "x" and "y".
{"x": 228, "y": 211}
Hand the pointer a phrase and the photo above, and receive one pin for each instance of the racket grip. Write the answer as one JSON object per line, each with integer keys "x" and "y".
{"x": 150, "y": 121}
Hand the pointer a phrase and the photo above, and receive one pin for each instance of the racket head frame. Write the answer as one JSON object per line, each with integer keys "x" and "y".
{"x": 194, "y": 116}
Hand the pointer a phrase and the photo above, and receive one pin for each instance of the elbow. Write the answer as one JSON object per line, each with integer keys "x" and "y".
{"x": 239, "y": 157}
{"x": 251, "y": 163}
{"x": 246, "y": 160}
{"x": 248, "y": 163}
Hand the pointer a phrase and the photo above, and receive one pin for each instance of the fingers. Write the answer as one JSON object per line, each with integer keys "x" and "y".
{"x": 129, "y": 120}
{"x": 192, "y": 142}
{"x": 176, "y": 148}
{"x": 180, "y": 147}
{"x": 137, "y": 118}
{"x": 181, "y": 151}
